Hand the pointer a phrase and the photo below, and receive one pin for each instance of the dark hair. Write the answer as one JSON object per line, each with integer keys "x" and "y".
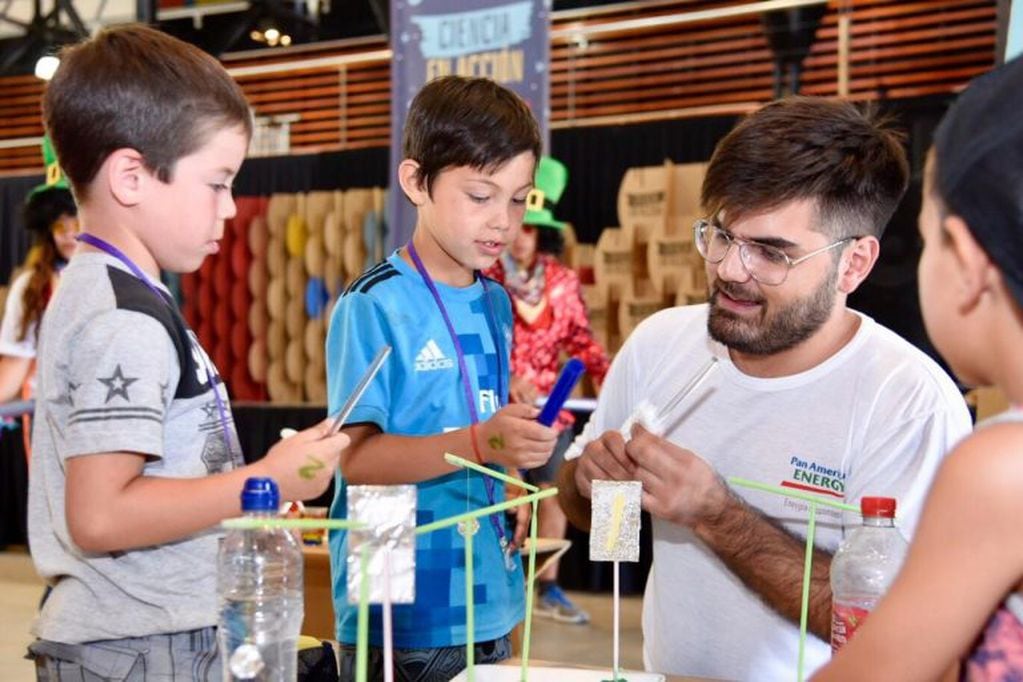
{"x": 135, "y": 87}
{"x": 41, "y": 211}
{"x": 474, "y": 122}
{"x": 977, "y": 168}
{"x": 43, "y": 208}
{"x": 549, "y": 240}
{"x": 848, "y": 161}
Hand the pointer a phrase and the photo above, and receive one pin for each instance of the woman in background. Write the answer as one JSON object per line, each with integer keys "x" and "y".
{"x": 550, "y": 323}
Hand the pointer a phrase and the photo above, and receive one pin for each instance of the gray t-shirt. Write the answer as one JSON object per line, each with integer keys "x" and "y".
{"x": 119, "y": 370}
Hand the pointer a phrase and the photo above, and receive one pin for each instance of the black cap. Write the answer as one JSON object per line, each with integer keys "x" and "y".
{"x": 979, "y": 150}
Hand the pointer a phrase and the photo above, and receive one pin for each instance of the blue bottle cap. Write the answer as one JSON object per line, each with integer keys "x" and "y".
{"x": 260, "y": 495}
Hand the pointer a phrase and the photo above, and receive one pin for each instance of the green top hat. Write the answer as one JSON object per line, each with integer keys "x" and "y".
{"x": 55, "y": 178}
{"x": 549, "y": 183}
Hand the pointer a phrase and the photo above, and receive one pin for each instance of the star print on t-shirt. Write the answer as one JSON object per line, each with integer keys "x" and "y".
{"x": 67, "y": 398}
{"x": 117, "y": 384}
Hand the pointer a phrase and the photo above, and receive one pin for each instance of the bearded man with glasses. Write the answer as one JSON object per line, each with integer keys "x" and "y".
{"x": 805, "y": 394}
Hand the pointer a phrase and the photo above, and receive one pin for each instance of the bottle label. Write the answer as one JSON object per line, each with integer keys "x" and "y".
{"x": 845, "y": 618}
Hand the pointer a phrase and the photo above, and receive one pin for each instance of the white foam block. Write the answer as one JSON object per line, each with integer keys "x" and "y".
{"x": 513, "y": 673}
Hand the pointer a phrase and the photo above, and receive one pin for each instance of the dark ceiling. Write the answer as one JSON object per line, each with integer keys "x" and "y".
{"x": 231, "y": 32}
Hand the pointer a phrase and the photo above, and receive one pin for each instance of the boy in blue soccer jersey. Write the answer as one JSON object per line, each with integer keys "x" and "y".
{"x": 470, "y": 149}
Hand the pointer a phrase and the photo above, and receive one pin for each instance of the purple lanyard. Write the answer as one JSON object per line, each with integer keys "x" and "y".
{"x": 112, "y": 250}
{"x": 463, "y": 370}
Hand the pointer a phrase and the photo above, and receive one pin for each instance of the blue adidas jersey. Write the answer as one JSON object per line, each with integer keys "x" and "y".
{"x": 418, "y": 392}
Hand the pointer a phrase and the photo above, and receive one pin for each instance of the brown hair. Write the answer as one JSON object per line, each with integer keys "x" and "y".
{"x": 40, "y": 264}
{"x": 135, "y": 87}
{"x": 848, "y": 161}
{"x": 473, "y": 122}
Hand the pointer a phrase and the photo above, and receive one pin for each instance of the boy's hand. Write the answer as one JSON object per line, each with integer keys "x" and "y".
{"x": 523, "y": 513}
{"x": 513, "y": 438}
{"x": 304, "y": 464}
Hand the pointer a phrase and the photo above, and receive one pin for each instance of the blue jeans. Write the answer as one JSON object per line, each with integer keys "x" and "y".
{"x": 424, "y": 665}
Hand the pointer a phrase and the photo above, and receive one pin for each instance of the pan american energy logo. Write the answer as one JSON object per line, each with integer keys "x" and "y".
{"x": 815, "y": 478}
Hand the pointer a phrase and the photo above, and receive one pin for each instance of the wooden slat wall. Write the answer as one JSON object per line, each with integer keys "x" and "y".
{"x": 898, "y": 48}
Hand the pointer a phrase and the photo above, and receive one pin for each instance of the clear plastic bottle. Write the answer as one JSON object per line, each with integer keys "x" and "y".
{"x": 259, "y": 583}
{"x": 864, "y": 567}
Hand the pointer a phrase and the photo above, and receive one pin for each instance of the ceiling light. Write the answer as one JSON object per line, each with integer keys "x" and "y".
{"x": 46, "y": 66}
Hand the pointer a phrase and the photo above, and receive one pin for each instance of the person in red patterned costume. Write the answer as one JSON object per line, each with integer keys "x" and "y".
{"x": 551, "y": 325}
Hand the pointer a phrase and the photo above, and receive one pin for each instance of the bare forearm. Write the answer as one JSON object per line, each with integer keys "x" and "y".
{"x": 770, "y": 561}
{"x": 12, "y": 375}
{"x": 386, "y": 459}
{"x": 150, "y": 510}
{"x": 575, "y": 506}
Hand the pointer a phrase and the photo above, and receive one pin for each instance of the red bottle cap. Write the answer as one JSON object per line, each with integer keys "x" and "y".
{"x": 883, "y": 507}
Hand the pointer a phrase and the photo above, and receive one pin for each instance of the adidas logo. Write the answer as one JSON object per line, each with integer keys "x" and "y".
{"x": 431, "y": 357}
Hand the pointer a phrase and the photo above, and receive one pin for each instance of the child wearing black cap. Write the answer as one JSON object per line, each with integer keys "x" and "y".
{"x": 956, "y": 608}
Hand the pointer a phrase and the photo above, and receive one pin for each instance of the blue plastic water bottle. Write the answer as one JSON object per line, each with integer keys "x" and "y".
{"x": 259, "y": 582}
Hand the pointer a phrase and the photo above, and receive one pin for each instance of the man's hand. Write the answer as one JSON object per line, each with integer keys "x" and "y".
{"x": 604, "y": 458}
{"x": 678, "y": 486}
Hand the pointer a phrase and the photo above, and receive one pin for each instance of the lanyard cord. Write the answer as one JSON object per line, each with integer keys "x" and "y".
{"x": 112, "y": 250}
{"x": 463, "y": 370}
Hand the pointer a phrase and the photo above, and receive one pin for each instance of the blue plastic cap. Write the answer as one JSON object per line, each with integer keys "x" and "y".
{"x": 260, "y": 495}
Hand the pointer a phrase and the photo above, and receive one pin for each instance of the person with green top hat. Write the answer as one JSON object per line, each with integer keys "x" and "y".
{"x": 51, "y": 216}
{"x": 551, "y": 325}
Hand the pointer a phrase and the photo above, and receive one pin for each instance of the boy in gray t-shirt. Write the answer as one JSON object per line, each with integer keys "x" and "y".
{"x": 135, "y": 455}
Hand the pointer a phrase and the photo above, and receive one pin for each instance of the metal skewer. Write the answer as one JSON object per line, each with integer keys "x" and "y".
{"x": 360, "y": 388}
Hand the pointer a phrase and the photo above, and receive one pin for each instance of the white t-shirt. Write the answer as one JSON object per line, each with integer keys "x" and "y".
{"x": 11, "y": 325}
{"x": 874, "y": 419}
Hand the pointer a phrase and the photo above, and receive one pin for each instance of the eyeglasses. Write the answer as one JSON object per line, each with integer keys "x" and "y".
{"x": 766, "y": 264}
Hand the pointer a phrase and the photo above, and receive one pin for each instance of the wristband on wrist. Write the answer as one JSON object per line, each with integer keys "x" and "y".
{"x": 475, "y": 444}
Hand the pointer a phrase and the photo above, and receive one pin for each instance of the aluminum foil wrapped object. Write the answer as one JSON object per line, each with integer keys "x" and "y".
{"x": 614, "y": 525}
{"x": 389, "y": 512}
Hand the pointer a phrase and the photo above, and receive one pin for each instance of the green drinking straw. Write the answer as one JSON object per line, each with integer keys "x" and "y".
{"x": 362, "y": 633}
{"x": 530, "y": 585}
{"x": 470, "y": 616}
{"x": 788, "y": 492}
{"x": 811, "y": 529}
{"x": 485, "y": 511}
{"x": 249, "y": 523}
{"x": 458, "y": 461}
{"x": 804, "y": 607}
{"x": 533, "y": 499}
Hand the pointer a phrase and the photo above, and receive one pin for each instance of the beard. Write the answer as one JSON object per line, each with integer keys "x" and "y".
{"x": 773, "y": 331}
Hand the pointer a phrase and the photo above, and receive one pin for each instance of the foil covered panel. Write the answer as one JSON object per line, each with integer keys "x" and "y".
{"x": 389, "y": 512}
{"x": 614, "y": 529}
